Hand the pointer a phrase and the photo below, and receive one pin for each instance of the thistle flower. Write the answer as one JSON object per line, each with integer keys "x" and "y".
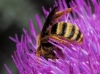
{"x": 79, "y": 59}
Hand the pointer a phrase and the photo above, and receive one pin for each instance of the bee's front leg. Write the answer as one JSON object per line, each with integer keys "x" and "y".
{"x": 59, "y": 14}
{"x": 58, "y": 39}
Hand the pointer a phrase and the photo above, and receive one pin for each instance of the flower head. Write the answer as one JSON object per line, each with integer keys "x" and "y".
{"x": 83, "y": 58}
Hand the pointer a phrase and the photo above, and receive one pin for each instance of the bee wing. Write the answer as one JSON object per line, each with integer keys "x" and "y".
{"x": 62, "y": 40}
{"x": 49, "y": 20}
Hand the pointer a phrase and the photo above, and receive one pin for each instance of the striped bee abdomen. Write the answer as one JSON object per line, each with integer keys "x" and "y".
{"x": 67, "y": 30}
{"x": 72, "y": 32}
{"x": 59, "y": 28}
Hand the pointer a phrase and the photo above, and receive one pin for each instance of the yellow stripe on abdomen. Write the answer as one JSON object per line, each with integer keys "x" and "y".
{"x": 68, "y": 30}
{"x": 59, "y": 28}
{"x": 75, "y": 33}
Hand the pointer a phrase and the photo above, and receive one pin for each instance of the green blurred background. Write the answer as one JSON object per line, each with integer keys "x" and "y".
{"x": 15, "y": 15}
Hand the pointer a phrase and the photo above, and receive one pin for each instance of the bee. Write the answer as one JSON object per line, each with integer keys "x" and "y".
{"x": 60, "y": 31}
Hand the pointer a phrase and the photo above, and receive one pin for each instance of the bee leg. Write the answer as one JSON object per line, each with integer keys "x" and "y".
{"x": 37, "y": 51}
{"x": 38, "y": 55}
{"x": 59, "y": 40}
{"x": 38, "y": 40}
{"x": 59, "y": 14}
